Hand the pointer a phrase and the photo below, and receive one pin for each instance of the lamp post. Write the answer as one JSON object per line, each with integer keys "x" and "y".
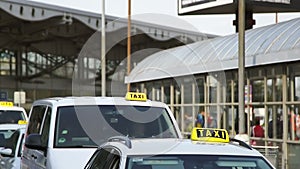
{"x": 103, "y": 58}
{"x": 128, "y": 43}
{"x": 241, "y": 68}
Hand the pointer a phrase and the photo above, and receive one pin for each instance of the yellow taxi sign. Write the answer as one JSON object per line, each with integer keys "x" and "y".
{"x": 210, "y": 135}
{"x": 21, "y": 122}
{"x": 7, "y": 104}
{"x": 133, "y": 96}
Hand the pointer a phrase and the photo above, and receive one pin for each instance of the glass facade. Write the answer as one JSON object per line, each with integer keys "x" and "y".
{"x": 271, "y": 97}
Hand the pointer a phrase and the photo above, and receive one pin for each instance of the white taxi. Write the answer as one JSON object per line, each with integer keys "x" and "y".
{"x": 10, "y": 114}
{"x": 207, "y": 149}
{"x": 64, "y": 132}
{"x": 11, "y": 139}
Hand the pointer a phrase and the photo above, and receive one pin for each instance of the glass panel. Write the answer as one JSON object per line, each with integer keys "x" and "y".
{"x": 211, "y": 117}
{"x": 200, "y": 88}
{"x": 294, "y": 122}
{"x": 274, "y": 89}
{"x": 177, "y": 93}
{"x": 275, "y": 118}
{"x": 148, "y": 87}
{"x": 188, "y": 90}
{"x": 228, "y": 92}
{"x": 166, "y": 85}
{"x": 188, "y": 119}
{"x": 258, "y": 90}
{"x": 212, "y": 83}
{"x": 297, "y": 88}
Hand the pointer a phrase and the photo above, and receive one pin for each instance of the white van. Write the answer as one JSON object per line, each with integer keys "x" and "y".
{"x": 64, "y": 132}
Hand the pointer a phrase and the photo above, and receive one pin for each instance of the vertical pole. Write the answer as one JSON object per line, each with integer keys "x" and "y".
{"x": 285, "y": 121}
{"x": 103, "y": 58}
{"x": 129, "y": 43}
{"x": 241, "y": 62}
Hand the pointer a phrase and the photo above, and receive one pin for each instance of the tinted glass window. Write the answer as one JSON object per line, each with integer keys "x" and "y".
{"x": 91, "y": 125}
{"x": 11, "y": 116}
{"x": 36, "y": 119}
{"x": 196, "y": 161}
{"x": 98, "y": 160}
{"x": 46, "y": 126}
{"x": 9, "y": 139}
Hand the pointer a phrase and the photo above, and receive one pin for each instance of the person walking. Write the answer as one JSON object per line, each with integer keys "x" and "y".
{"x": 200, "y": 120}
{"x": 257, "y": 131}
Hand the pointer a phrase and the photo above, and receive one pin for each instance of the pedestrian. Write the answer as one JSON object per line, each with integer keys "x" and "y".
{"x": 257, "y": 131}
{"x": 200, "y": 120}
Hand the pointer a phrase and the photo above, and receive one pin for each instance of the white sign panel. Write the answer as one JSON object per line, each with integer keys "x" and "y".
{"x": 276, "y": 1}
{"x": 19, "y": 97}
{"x": 185, "y": 6}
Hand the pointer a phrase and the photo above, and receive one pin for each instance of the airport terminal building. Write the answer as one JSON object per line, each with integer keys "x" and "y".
{"x": 50, "y": 51}
{"x": 203, "y": 76}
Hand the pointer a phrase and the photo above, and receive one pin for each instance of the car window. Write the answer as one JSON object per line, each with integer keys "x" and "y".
{"x": 99, "y": 159}
{"x": 36, "y": 119}
{"x": 108, "y": 121}
{"x": 45, "y": 128}
{"x": 9, "y": 139}
{"x": 196, "y": 161}
{"x": 11, "y": 116}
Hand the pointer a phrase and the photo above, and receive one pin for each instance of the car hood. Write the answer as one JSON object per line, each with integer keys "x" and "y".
{"x": 69, "y": 158}
{"x": 10, "y": 162}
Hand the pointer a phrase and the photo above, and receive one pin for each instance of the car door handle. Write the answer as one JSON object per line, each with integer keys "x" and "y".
{"x": 34, "y": 156}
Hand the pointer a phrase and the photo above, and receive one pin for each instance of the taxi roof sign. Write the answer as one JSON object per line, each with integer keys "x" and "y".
{"x": 210, "y": 135}
{"x": 6, "y": 104}
{"x": 22, "y": 122}
{"x": 134, "y": 96}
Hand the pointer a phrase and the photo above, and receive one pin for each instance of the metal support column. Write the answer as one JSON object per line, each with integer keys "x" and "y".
{"x": 241, "y": 70}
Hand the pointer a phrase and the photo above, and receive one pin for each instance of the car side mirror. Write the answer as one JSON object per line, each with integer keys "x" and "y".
{"x": 34, "y": 141}
{"x": 6, "y": 151}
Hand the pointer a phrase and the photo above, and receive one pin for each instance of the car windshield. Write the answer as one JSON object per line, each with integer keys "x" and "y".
{"x": 84, "y": 126}
{"x": 9, "y": 140}
{"x": 196, "y": 161}
{"x": 11, "y": 116}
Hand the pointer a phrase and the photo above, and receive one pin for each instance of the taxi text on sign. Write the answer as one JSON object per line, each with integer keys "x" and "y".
{"x": 136, "y": 96}
{"x": 209, "y": 135}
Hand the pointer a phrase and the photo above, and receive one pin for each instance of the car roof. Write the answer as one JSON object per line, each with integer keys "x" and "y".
{"x": 181, "y": 146}
{"x": 12, "y": 126}
{"x": 12, "y": 108}
{"x": 86, "y": 100}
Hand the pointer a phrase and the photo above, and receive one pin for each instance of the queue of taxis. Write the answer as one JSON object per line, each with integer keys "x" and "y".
{"x": 64, "y": 132}
{"x": 13, "y": 120}
{"x": 207, "y": 149}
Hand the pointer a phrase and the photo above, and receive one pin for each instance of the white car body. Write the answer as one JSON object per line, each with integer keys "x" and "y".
{"x": 22, "y": 111}
{"x": 67, "y": 157}
{"x": 122, "y": 153}
{"x": 11, "y": 159}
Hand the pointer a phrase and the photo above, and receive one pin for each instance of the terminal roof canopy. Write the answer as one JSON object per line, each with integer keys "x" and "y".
{"x": 50, "y": 29}
{"x": 265, "y": 45}
{"x": 60, "y": 35}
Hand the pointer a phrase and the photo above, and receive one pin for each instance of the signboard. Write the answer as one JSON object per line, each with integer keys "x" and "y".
{"x": 230, "y": 6}
{"x": 276, "y": 1}
{"x": 3, "y": 96}
{"x": 19, "y": 97}
{"x": 185, "y": 6}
